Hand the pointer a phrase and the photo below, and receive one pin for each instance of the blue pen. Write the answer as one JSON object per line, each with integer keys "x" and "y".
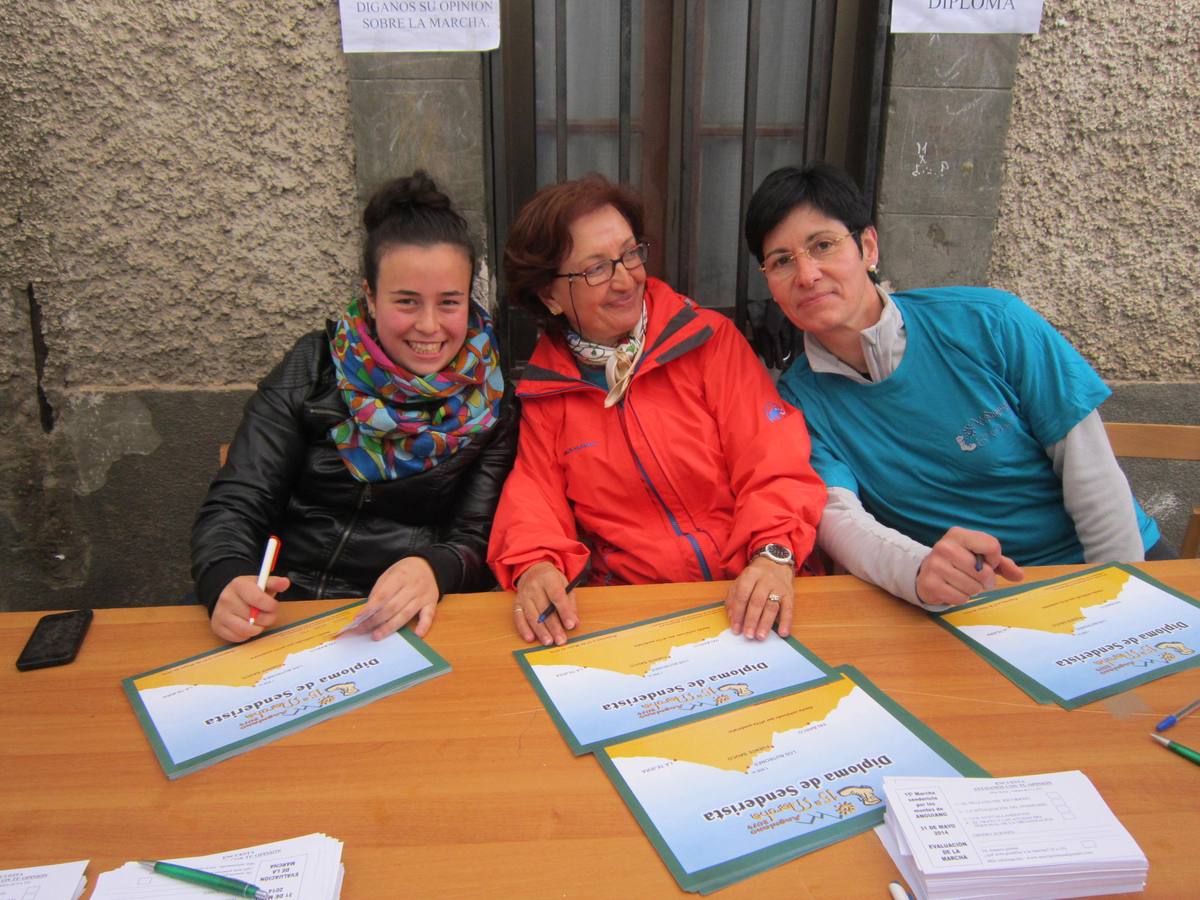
{"x": 1171, "y": 720}
{"x": 978, "y": 562}
{"x": 574, "y": 583}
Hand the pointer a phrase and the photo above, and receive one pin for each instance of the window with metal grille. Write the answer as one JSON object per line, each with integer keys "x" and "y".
{"x": 691, "y": 101}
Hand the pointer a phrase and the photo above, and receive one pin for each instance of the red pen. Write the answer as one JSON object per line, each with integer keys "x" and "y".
{"x": 269, "y": 556}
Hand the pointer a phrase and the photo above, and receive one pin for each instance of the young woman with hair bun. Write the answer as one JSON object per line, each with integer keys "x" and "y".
{"x": 377, "y": 447}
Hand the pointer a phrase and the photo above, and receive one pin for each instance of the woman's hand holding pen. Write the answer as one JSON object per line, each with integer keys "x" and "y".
{"x": 233, "y": 611}
{"x": 761, "y": 592}
{"x": 962, "y": 564}
{"x": 540, "y": 587}
{"x": 406, "y": 589}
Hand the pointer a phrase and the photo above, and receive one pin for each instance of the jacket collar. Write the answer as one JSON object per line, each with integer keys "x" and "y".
{"x": 673, "y": 327}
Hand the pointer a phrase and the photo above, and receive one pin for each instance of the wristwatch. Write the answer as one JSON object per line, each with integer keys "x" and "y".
{"x": 776, "y": 553}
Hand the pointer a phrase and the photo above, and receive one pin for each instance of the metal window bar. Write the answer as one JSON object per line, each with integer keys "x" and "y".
{"x": 820, "y": 56}
{"x": 510, "y": 92}
{"x": 560, "y": 90}
{"x": 883, "y": 25}
{"x": 624, "y": 104}
{"x": 749, "y": 136}
{"x": 693, "y": 31}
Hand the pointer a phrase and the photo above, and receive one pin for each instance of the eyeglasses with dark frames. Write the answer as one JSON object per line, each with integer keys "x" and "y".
{"x": 603, "y": 270}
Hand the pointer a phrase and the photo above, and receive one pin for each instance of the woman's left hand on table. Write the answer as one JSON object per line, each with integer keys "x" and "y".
{"x": 405, "y": 590}
{"x": 762, "y": 592}
{"x": 541, "y": 587}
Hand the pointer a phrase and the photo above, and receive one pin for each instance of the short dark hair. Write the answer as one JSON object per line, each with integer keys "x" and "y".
{"x": 540, "y": 238}
{"x": 410, "y": 211}
{"x": 825, "y": 188}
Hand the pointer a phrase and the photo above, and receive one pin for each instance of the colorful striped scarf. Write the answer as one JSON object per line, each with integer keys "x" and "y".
{"x": 396, "y": 428}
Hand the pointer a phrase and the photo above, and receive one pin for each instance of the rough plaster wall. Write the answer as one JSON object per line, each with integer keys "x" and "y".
{"x": 177, "y": 193}
{"x": 189, "y": 175}
{"x": 1101, "y": 193}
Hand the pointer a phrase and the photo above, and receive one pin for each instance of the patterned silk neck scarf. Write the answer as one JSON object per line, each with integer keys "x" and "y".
{"x": 618, "y": 361}
{"x": 401, "y": 423}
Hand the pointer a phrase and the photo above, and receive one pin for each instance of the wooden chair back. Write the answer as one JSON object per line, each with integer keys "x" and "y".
{"x": 1145, "y": 441}
{"x": 1154, "y": 441}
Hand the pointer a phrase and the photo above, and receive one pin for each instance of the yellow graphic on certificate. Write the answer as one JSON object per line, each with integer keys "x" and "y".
{"x": 245, "y": 665}
{"x": 1086, "y": 636}
{"x": 635, "y": 651}
{"x": 733, "y": 741}
{"x": 1059, "y": 607}
{"x": 623, "y": 681}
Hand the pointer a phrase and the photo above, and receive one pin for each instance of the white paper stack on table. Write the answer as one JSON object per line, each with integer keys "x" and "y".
{"x": 62, "y": 881}
{"x": 303, "y": 868}
{"x": 1034, "y": 836}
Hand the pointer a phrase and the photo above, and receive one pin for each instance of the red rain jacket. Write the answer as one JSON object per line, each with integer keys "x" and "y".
{"x": 698, "y": 465}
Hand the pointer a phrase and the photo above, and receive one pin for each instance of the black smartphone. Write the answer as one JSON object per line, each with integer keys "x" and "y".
{"x": 55, "y": 640}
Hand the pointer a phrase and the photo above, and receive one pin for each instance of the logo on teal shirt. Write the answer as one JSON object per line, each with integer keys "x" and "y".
{"x": 981, "y": 429}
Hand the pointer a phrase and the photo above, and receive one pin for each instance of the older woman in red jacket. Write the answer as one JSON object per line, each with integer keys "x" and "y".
{"x": 654, "y": 446}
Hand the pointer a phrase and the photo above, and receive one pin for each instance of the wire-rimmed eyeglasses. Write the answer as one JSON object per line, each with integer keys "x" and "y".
{"x": 782, "y": 263}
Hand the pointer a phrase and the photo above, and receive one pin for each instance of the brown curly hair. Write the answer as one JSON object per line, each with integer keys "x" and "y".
{"x": 540, "y": 238}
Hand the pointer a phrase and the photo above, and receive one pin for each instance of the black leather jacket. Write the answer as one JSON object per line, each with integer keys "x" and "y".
{"x": 284, "y": 476}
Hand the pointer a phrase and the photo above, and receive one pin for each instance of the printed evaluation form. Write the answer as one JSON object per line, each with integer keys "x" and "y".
{"x": 303, "y": 868}
{"x": 1026, "y": 836}
{"x": 63, "y": 881}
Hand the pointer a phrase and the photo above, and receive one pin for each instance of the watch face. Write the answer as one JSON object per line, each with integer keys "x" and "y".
{"x": 777, "y": 553}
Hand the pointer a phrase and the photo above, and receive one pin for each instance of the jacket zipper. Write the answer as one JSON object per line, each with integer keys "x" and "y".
{"x": 364, "y": 496}
{"x": 654, "y": 491}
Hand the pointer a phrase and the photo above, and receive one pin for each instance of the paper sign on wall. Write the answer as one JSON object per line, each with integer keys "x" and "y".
{"x": 414, "y": 26}
{"x": 967, "y": 16}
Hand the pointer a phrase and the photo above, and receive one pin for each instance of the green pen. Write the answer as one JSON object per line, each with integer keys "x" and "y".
{"x": 205, "y": 879}
{"x": 1185, "y": 752}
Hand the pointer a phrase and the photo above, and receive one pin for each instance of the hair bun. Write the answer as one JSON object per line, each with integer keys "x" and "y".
{"x": 411, "y": 211}
{"x": 404, "y": 197}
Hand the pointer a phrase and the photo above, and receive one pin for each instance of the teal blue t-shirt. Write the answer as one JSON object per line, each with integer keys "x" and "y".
{"x": 957, "y": 434}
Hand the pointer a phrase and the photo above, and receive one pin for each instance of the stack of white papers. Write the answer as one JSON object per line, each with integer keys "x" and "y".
{"x": 64, "y": 881}
{"x": 1035, "y": 836}
{"x": 303, "y": 868}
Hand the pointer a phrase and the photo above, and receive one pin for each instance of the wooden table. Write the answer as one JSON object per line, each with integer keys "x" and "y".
{"x": 462, "y": 787}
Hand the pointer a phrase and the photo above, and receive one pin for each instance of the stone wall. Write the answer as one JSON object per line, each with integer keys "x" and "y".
{"x": 177, "y": 201}
{"x": 1101, "y": 189}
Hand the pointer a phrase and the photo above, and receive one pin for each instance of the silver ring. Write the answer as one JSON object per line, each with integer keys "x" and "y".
{"x": 774, "y": 598}
{"x": 518, "y": 609}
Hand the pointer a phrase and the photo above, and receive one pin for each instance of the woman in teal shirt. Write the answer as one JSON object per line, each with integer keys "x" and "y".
{"x": 957, "y": 431}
